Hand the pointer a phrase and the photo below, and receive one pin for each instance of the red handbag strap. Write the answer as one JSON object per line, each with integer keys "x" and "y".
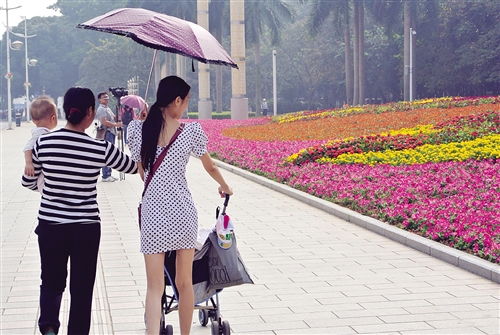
{"x": 162, "y": 156}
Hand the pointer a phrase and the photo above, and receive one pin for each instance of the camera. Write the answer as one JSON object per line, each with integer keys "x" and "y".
{"x": 118, "y": 92}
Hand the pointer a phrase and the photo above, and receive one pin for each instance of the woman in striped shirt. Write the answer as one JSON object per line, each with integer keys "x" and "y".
{"x": 68, "y": 219}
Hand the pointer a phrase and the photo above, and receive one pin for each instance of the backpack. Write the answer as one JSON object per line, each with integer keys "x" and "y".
{"x": 127, "y": 116}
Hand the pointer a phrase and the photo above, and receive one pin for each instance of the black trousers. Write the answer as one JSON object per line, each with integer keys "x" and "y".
{"x": 57, "y": 243}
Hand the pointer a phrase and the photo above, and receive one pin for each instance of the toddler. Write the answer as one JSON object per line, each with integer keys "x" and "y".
{"x": 43, "y": 112}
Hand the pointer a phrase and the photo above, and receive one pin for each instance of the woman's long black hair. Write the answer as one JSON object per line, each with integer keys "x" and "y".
{"x": 76, "y": 102}
{"x": 169, "y": 89}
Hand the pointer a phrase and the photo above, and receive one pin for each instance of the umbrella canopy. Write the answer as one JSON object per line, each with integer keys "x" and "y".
{"x": 133, "y": 101}
{"x": 162, "y": 32}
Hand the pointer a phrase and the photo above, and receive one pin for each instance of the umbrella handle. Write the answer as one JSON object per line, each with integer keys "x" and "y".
{"x": 150, "y": 75}
{"x": 226, "y": 201}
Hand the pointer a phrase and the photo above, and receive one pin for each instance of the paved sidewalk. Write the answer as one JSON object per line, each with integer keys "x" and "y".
{"x": 314, "y": 273}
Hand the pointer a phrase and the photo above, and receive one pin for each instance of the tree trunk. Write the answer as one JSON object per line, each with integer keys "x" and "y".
{"x": 361, "y": 71}
{"x": 258, "y": 94}
{"x": 204, "y": 97}
{"x": 413, "y": 61}
{"x": 218, "y": 76}
{"x": 355, "y": 101}
{"x": 157, "y": 72}
{"x": 407, "y": 25}
{"x": 348, "y": 64}
{"x": 168, "y": 64}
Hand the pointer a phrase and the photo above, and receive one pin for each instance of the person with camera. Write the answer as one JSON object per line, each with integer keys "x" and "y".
{"x": 107, "y": 118}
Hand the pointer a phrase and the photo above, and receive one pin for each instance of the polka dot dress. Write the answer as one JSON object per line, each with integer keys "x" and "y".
{"x": 169, "y": 216}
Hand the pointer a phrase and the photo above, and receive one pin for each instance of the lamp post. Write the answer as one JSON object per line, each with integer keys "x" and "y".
{"x": 8, "y": 76}
{"x": 412, "y": 32}
{"x": 28, "y": 62}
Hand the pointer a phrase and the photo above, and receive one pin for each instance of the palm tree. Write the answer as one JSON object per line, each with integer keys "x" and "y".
{"x": 389, "y": 13}
{"x": 260, "y": 14}
{"x": 340, "y": 11}
{"x": 355, "y": 99}
{"x": 360, "y": 39}
{"x": 182, "y": 9}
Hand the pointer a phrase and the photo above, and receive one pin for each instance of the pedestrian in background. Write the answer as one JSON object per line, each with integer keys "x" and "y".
{"x": 108, "y": 120}
{"x": 127, "y": 116}
{"x": 264, "y": 108}
{"x": 69, "y": 226}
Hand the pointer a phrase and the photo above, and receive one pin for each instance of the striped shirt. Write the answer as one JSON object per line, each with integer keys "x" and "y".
{"x": 71, "y": 162}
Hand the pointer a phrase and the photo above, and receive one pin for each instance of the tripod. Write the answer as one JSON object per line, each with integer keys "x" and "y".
{"x": 119, "y": 131}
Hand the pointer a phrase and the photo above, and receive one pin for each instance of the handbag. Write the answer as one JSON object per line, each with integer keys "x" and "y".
{"x": 155, "y": 167}
{"x": 226, "y": 266}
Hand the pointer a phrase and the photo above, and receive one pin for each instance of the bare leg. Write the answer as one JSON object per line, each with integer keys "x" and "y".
{"x": 156, "y": 286}
{"x": 184, "y": 283}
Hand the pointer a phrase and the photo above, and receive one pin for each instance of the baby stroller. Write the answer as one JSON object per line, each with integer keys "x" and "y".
{"x": 206, "y": 300}
{"x": 206, "y": 284}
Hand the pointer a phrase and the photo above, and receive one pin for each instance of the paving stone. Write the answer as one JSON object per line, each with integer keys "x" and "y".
{"x": 315, "y": 274}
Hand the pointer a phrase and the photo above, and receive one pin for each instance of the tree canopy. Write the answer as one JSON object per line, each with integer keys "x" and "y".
{"x": 456, "y": 53}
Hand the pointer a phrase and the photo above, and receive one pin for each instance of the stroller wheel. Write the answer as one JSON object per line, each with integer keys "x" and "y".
{"x": 163, "y": 329}
{"x": 215, "y": 328}
{"x": 226, "y": 330}
{"x": 169, "y": 330}
{"x": 203, "y": 317}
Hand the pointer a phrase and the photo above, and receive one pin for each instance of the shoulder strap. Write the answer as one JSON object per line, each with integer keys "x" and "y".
{"x": 161, "y": 157}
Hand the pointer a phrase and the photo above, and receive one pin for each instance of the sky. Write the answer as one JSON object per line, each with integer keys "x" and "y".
{"x": 29, "y": 8}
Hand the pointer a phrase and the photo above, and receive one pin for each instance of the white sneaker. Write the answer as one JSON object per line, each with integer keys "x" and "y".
{"x": 114, "y": 179}
{"x": 109, "y": 179}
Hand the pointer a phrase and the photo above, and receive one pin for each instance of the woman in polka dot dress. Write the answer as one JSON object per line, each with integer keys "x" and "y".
{"x": 169, "y": 216}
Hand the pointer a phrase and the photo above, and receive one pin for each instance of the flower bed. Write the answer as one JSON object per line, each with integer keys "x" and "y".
{"x": 454, "y": 202}
{"x": 457, "y": 130}
{"x": 341, "y": 127}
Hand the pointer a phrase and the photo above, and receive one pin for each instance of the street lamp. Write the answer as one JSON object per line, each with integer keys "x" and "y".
{"x": 28, "y": 62}
{"x": 8, "y": 76}
{"x": 412, "y": 32}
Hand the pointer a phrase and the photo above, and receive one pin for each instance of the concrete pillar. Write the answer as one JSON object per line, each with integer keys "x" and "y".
{"x": 204, "y": 109}
{"x": 204, "y": 103}
{"x": 239, "y": 101}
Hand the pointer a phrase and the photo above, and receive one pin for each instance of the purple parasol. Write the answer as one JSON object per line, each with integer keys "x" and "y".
{"x": 162, "y": 32}
{"x": 133, "y": 101}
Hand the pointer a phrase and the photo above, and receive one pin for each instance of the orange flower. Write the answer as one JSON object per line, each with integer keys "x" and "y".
{"x": 353, "y": 125}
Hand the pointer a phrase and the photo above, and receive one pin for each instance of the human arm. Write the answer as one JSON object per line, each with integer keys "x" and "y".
{"x": 134, "y": 137}
{"x": 118, "y": 160}
{"x": 110, "y": 124}
{"x": 29, "y": 169}
{"x": 214, "y": 172}
{"x": 103, "y": 114}
{"x": 30, "y": 181}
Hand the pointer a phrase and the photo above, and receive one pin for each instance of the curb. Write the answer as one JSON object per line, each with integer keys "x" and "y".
{"x": 440, "y": 251}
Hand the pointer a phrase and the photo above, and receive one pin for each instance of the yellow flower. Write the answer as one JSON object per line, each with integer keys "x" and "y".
{"x": 479, "y": 148}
